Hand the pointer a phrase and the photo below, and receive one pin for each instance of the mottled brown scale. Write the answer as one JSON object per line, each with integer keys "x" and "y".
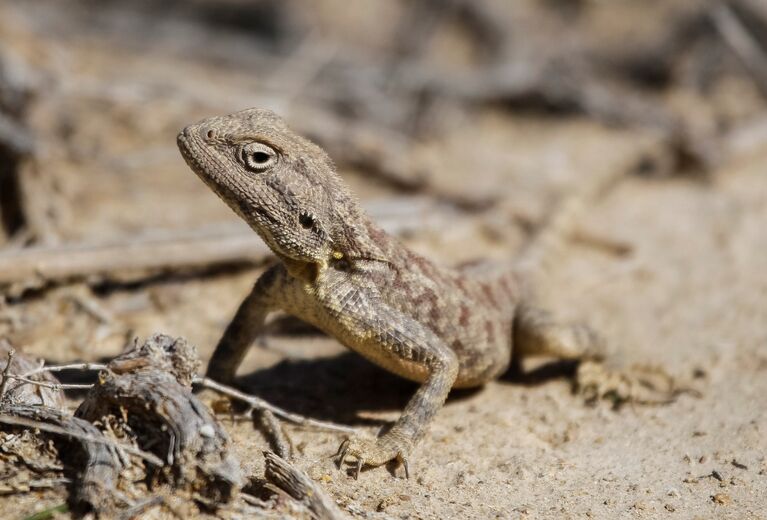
{"x": 463, "y": 318}
{"x": 441, "y": 327}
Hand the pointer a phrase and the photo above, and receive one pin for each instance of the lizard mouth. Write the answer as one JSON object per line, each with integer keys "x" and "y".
{"x": 184, "y": 141}
{"x": 202, "y": 163}
{"x": 184, "y": 146}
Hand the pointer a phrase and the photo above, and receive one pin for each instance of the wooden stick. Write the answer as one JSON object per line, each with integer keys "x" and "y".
{"x": 301, "y": 488}
{"x": 6, "y": 372}
{"x": 757, "y": 8}
{"x": 742, "y": 43}
{"x": 251, "y": 400}
{"x": 138, "y": 257}
{"x": 57, "y": 387}
{"x": 272, "y": 430}
{"x": 34, "y": 485}
{"x": 58, "y": 430}
{"x": 257, "y": 402}
{"x": 59, "y": 368}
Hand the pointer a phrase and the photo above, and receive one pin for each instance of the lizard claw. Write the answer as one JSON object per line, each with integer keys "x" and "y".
{"x": 374, "y": 452}
{"x": 341, "y": 453}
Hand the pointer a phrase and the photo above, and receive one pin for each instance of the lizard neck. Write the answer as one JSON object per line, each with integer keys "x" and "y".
{"x": 305, "y": 271}
{"x": 356, "y": 237}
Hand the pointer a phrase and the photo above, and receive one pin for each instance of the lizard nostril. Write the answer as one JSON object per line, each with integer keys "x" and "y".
{"x": 211, "y": 134}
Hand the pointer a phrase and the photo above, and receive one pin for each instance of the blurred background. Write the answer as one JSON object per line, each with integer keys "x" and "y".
{"x": 460, "y": 124}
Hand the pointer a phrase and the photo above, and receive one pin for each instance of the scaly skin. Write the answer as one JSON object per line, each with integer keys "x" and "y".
{"x": 440, "y": 327}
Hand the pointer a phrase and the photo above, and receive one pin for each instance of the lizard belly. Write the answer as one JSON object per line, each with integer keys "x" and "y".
{"x": 481, "y": 343}
{"x": 365, "y": 345}
{"x": 400, "y": 366}
{"x": 372, "y": 350}
{"x": 479, "y": 362}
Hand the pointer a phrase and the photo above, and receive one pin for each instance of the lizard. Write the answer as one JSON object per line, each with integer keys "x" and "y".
{"x": 441, "y": 327}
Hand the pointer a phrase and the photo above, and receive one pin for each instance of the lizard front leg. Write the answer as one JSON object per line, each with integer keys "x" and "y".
{"x": 398, "y": 442}
{"x": 399, "y": 343}
{"x": 246, "y": 325}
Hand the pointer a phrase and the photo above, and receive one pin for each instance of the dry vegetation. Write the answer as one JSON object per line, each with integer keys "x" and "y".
{"x": 460, "y": 123}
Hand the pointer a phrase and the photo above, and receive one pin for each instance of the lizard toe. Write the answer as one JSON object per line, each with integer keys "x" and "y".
{"x": 365, "y": 451}
{"x": 637, "y": 384}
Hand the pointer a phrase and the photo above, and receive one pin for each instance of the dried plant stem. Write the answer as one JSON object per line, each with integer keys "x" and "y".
{"x": 59, "y": 368}
{"x": 257, "y": 402}
{"x": 6, "y": 374}
{"x": 58, "y": 430}
{"x": 53, "y": 386}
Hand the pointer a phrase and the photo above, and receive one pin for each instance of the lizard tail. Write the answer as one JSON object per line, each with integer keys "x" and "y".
{"x": 547, "y": 246}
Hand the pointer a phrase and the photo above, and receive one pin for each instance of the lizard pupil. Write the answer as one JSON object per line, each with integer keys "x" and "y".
{"x": 261, "y": 157}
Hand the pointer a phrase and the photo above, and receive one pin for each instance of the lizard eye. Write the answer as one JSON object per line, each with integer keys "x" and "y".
{"x": 258, "y": 156}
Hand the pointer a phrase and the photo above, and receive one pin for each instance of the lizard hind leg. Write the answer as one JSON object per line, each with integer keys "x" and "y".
{"x": 538, "y": 333}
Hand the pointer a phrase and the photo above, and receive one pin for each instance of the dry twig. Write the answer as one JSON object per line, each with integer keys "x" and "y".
{"x": 59, "y": 368}
{"x": 277, "y": 437}
{"x": 141, "y": 256}
{"x": 94, "y": 460}
{"x": 56, "y": 387}
{"x": 300, "y": 487}
{"x": 6, "y": 372}
{"x": 258, "y": 403}
{"x": 98, "y": 439}
{"x": 742, "y": 42}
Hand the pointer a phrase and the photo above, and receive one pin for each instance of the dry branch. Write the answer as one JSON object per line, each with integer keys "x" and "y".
{"x": 6, "y": 370}
{"x": 742, "y": 42}
{"x": 272, "y": 429}
{"x": 150, "y": 388}
{"x": 757, "y": 8}
{"x": 132, "y": 257}
{"x": 67, "y": 432}
{"x": 93, "y": 460}
{"x": 91, "y": 457}
{"x": 138, "y": 257}
{"x": 300, "y": 487}
{"x": 59, "y": 368}
{"x": 260, "y": 404}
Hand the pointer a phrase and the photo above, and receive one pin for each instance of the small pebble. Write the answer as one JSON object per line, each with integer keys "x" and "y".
{"x": 738, "y": 464}
{"x": 721, "y": 499}
{"x": 207, "y": 430}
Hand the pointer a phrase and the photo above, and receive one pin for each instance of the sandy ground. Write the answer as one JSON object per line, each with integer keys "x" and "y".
{"x": 690, "y": 295}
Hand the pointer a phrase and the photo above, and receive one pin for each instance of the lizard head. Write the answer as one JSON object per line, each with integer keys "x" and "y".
{"x": 282, "y": 185}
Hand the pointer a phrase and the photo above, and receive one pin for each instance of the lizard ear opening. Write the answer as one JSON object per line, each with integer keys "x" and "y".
{"x": 306, "y": 220}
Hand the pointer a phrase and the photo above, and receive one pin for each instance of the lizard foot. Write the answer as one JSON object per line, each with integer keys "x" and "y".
{"x": 375, "y": 452}
{"x": 638, "y": 384}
